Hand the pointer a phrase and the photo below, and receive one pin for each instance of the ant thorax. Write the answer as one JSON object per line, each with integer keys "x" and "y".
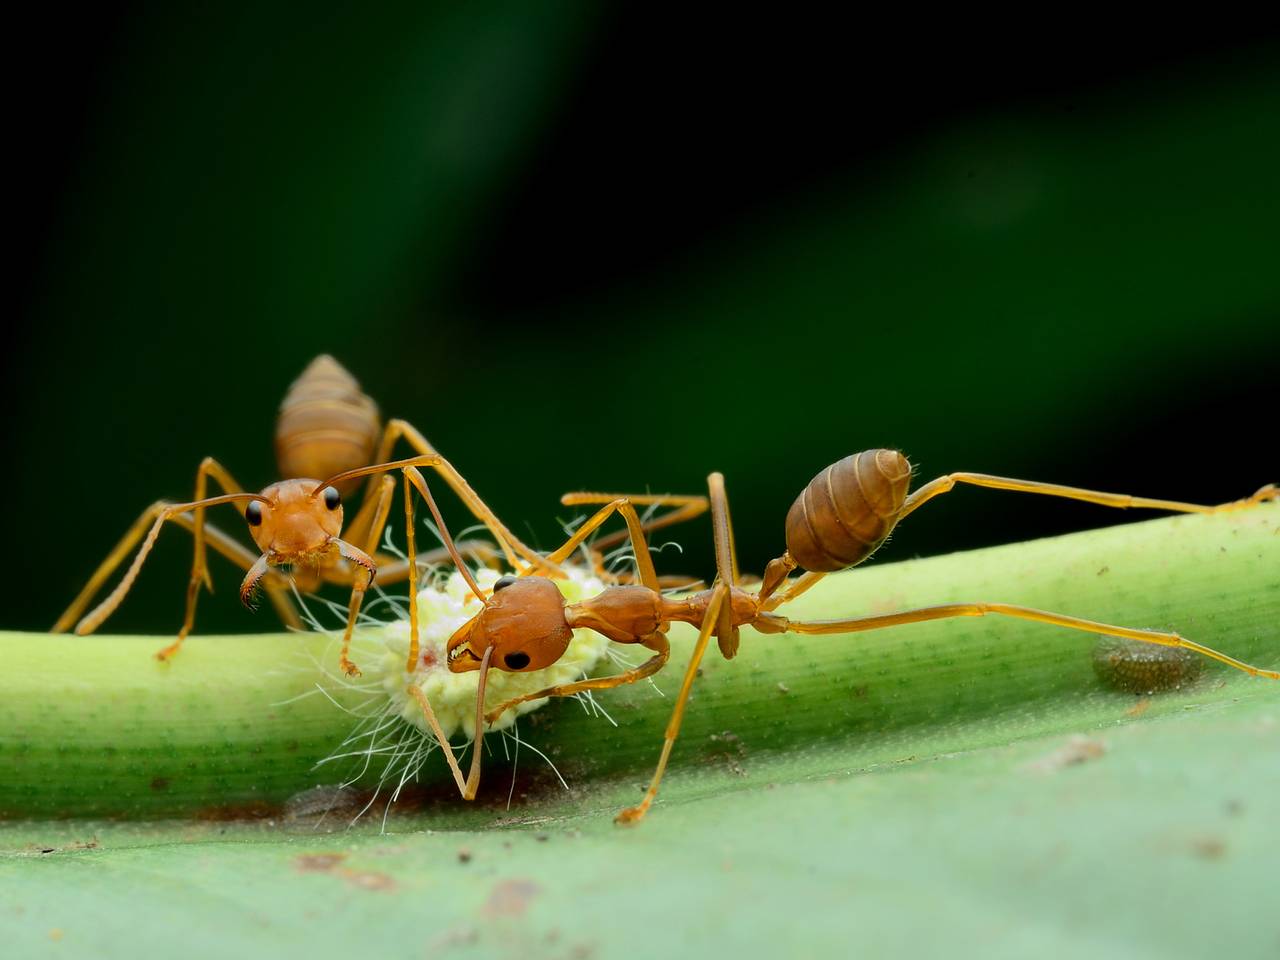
{"x": 443, "y": 608}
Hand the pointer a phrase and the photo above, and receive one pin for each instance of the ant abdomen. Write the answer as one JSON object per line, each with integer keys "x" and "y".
{"x": 847, "y": 510}
{"x": 327, "y": 425}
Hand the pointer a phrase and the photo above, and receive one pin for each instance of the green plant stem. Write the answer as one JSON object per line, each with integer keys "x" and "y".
{"x": 96, "y": 727}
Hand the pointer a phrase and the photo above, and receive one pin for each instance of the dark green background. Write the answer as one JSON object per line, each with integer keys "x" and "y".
{"x": 602, "y": 250}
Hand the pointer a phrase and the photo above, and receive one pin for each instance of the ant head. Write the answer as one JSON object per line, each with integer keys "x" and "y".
{"x": 300, "y": 518}
{"x": 523, "y": 621}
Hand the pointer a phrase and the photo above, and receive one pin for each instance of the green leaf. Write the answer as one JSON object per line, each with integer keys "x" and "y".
{"x": 965, "y": 786}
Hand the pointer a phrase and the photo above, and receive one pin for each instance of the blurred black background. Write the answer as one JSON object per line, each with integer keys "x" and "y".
{"x": 590, "y": 247}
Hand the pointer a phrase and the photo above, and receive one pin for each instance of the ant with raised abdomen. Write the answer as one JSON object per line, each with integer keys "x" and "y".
{"x": 326, "y": 427}
{"x": 844, "y": 514}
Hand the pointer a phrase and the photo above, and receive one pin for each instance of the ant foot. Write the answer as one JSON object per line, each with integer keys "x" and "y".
{"x": 349, "y": 668}
{"x": 493, "y": 715}
{"x": 632, "y": 815}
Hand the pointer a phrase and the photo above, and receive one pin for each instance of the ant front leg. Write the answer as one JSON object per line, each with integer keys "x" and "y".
{"x": 160, "y": 513}
{"x": 362, "y": 579}
{"x": 275, "y": 586}
{"x": 209, "y": 467}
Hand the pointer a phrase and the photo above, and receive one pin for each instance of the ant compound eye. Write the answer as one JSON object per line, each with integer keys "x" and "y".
{"x": 502, "y": 584}
{"x": 253, "y": 513}
{"x": 516, "y": 661}
{"x": 332, "y": 499}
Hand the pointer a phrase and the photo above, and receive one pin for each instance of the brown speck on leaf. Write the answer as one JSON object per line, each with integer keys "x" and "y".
{"x": 159, "y": 784}
{"x": 331, "y": 863}
{"x": 369, "y": 879}
{"x": 1139, "y": 708}
{"x": 1105, "y": 570}
{"x": 510, "y": 898}
{"x": 1209, "y": 848}
{"x": 464, "y": 855}
{"x": 318, "y": 862}
{"x": 453, "y": 937}
{"x": 1075, "y": 751}
{"x": 55, "y": 934}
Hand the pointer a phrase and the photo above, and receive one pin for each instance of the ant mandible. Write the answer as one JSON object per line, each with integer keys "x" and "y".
{"x": 844, "y": 514}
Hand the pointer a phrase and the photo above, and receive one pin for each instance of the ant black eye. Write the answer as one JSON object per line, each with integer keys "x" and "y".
{"x": 332, "y": 499}
{"x": 516, "y": 661}
{"x": 253, "y": 513}
{"x": 502, "y": 584}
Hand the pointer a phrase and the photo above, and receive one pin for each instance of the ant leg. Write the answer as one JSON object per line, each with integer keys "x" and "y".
{"x": 635, "y": 530}
{"x": 510, "y": 544}
{"x": 802, "y": 583}
{"x": 654, "y": 641}
{"x": 361, "y": 580}
{"x": 109, "y": 565}
{"x": 1121, "y": 501}
{"x": 411, "y": 665}
{"x": 275, "y": 585}
{"x": 686, "y": 508}
{"x": 784, "y": 565}
{"x": 947, "y": 611}
{"x": 718, "y": 618}
{"x": 221, "y": 542}
{"x": 718, "y": 597}
{"x": 391, "y": 570}
{"x": 726, "y": 562}
{"x": 413, "y": 477}
{"x": 364, "y": 528}
{"x": 471, "y": 785}
{"x": 359, "y": 576}
{"x": 381, "y": 510}
{"x": 209, "y": 467}
{"x": 473, "y": 776}
{"x": 161, "y": 512}
{"x": 445, "y": 747}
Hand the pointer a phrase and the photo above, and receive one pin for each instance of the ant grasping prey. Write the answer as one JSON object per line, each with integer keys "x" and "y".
{"x": 845, "y": 513}
{"x": 327, "y": 427}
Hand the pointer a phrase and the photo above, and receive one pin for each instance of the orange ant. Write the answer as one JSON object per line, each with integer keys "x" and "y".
{"x": 845, "y": 513}
{"x": 326, "y": 427}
